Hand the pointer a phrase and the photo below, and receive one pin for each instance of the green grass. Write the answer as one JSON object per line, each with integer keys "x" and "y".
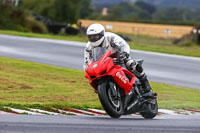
{"x": 27, "y": 84}
{"x": 193, "y": 51}
{"x": 163, "y": 45}
{"x": 146, "y": 43}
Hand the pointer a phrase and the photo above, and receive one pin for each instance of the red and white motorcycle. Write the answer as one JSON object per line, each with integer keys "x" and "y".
{"x": 119, "y": 91}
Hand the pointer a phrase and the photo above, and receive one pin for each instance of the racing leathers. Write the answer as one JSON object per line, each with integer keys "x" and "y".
{"x": 115, "y": 43}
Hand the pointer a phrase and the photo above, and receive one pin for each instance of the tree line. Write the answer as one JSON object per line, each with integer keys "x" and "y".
{"x": 53, "y": 13}
{"x": 141, "y": 11}
{"x": 69, "y": 11}
{"x": 61, "y": 11}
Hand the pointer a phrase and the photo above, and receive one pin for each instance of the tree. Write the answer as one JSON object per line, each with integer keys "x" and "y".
{"x": 64, "y": 11}
{"x": 38, "y": 6}
{"x": 174, "y": 14}
{"x": 128, "y": 12}
{"x": 85, "y": 9}
{"x": 146, "y": 6}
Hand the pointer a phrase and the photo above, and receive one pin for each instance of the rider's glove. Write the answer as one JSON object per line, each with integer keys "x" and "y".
{"x": 123, "y": 57}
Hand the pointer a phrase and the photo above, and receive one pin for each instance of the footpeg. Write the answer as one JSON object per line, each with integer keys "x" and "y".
{"x": 149, "y": 94}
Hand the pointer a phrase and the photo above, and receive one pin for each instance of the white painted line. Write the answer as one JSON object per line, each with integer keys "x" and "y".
{"x": 69, "y": 112}
{"x": 97, "y": 110}
{"x": 165, "y": 111}
{"x": 186, "y": 112}
{"x": 94, "y": 112}
{"x": 43, "y": 111}
{"x": 86, "y": 112}
{"x": 23, "y": 111}
{"x": 177, "y": 112}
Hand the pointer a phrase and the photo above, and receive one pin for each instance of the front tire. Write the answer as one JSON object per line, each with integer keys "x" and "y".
{"x": 112, "y": 106}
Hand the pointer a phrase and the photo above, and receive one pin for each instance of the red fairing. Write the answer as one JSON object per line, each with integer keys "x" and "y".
{"x": 103, "y": 67}
{"x": 121, "y": 79}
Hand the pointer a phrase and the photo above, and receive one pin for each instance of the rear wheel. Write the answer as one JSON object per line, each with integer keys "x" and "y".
{"x": 112, "y": 105}
{"x": 150, "y": 109}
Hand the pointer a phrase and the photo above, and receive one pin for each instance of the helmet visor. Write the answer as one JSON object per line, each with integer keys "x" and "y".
{"x": 95, "y": 37}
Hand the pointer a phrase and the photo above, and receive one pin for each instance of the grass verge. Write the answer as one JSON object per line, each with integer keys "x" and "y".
{"x": 146, "y": 43}
{"x": 27, "y": 84}
{"x": 192, "y": 51}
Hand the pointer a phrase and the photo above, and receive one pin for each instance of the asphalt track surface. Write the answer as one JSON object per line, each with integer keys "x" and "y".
{"x": 176, "y": 70}
{"x": 170, "y": 69}
{"x": 95, "y": 124}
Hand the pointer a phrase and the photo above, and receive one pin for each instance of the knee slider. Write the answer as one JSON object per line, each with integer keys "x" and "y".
{"x": 130, "y": 63}
{"x": 139, "y": 68}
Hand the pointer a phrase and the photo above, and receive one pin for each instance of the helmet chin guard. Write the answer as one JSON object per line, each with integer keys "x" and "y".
{"x": 97, "y": 43}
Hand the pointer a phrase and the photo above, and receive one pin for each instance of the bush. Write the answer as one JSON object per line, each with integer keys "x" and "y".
{"x": 12, "y": 18}
{"x": 197, "y": 34}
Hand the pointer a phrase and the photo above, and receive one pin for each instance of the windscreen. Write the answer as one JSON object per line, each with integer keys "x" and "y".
{"x": 97, "y": 53}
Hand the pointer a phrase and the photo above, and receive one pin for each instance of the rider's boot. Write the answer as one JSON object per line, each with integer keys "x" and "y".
{"x": 138, "y": 71}
{"x": 136, "y": 68}
{"x": 147, "y": 90}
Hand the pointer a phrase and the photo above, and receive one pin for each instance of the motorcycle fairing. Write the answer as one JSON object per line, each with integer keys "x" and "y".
{"x": 105, "y": 67}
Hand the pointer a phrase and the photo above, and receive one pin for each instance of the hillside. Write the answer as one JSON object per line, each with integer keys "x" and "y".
{"x": 175, "y": 3}
{"x": 106, "y": 2}
{"x": 158, "y": 3}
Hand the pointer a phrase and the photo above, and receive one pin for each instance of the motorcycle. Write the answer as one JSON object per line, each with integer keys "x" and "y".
{"x": 119, "y": 92}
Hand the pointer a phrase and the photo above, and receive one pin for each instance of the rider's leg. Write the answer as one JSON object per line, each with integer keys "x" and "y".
{"x": 138, "y": 71}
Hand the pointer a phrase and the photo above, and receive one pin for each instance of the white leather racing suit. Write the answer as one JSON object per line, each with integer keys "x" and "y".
{"x": 114, "y": 42}
{"x": 110, "y": 42}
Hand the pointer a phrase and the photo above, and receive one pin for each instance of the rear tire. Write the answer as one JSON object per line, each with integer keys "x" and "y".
{"x": 112, "y": 107}
{"x": 150, "y": 110}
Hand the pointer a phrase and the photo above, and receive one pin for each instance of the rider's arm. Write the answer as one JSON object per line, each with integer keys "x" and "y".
{"x": 122, "y": 46}
{"x": 86, "y": 55}
{"x": 119, "y": 43}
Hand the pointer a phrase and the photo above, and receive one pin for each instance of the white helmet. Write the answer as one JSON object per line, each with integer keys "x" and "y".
{"x": 95, "y": 34}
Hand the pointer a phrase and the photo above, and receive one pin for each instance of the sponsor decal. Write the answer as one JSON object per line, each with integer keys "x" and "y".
{"x": 123, "y": 78}
{"x": 95, "y": 65}
{"x": 133, "y": 104}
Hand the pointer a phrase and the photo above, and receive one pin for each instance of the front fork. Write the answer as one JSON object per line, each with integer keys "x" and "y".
{"x": 114, "y": 91}
{"x": 114, "y": 88}
{"x": 134, "y": 100}
{"x": 131, "y": 100}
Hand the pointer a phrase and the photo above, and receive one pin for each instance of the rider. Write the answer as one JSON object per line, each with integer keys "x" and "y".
{"x": 97, "y": 37}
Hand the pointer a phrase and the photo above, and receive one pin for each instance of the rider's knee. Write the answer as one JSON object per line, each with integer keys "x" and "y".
{"x": 130, "y": 64}
{"x": 136, "y": 68}
{"x": 139, "y": 68}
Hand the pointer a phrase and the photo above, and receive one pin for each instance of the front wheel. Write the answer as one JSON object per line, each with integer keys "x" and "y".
{"x": 111, "y": 105}
{"x": 150, "y": 109}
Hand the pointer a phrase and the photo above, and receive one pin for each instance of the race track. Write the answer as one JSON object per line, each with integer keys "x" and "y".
{"x": 95, "y": 124}
{"x": 170, "y": 69}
